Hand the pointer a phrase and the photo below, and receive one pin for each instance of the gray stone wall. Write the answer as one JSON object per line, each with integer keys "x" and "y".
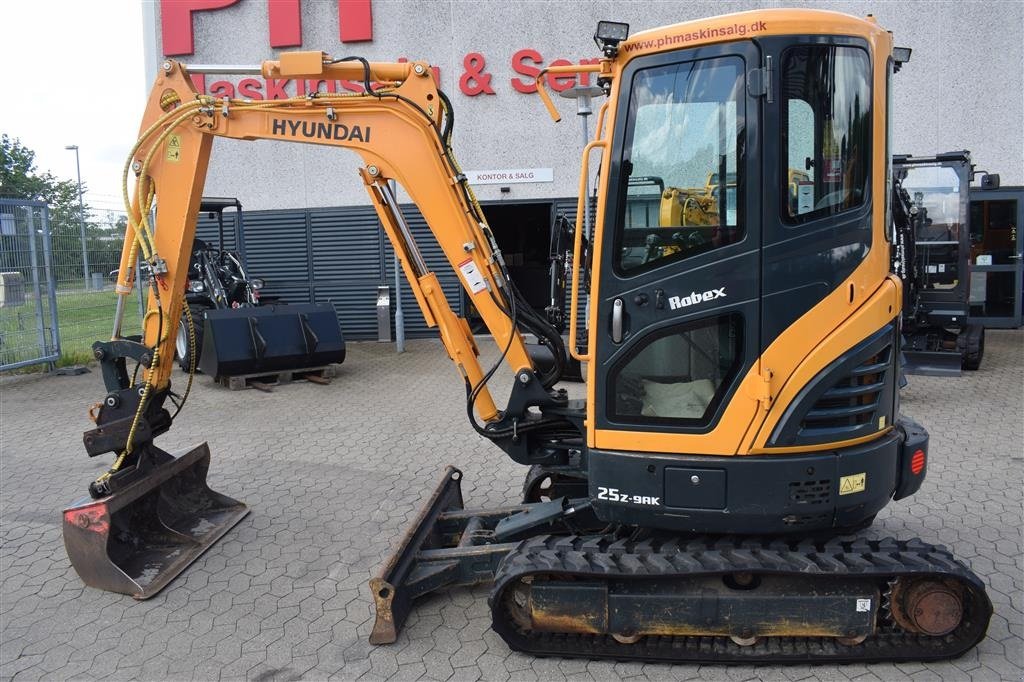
{"x": 962, "y": 90}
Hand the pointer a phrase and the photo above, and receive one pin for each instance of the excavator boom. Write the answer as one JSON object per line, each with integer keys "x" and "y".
{"x": 397, "y": 131}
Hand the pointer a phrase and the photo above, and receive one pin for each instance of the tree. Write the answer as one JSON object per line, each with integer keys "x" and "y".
{"x": 20, "y": 179}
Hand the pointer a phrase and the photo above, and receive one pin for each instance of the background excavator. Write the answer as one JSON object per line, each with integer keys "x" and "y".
{"x": 741, "y": 418}
{"x": 932, "y": 237}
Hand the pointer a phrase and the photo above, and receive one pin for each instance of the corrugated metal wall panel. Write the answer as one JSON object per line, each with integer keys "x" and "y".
{"x": 206, "y": 229}
{"x": 335, "y": 255}
{"x": 277, "y": 250}
{"x": 568, "y": 207}
{"x": 347, "y": 266}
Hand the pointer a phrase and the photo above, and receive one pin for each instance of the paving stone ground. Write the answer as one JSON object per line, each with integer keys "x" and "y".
{"x": 333, "y": 475}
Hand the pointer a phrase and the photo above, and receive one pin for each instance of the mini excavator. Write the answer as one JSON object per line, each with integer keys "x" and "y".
{"x": 741, "y": 419}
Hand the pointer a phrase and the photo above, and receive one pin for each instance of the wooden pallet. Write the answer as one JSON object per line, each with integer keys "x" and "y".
{"x": 267, "y": 381}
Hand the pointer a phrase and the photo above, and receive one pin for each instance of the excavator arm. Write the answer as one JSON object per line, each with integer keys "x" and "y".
{"x": 400, "y": 126}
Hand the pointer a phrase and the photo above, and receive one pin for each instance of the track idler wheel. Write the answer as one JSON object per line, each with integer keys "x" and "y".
{"x": 927, "y": 606}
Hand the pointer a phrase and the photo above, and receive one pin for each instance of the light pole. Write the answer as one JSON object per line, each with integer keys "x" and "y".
{"x": 81, "y": 214}
{"x": 583, "y": 94}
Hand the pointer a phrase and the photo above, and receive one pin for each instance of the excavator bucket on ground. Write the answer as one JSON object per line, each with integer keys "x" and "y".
{"x": 252, "y": 341}
{"x": 138, "y": 538}
{"x": 236, "y": 330}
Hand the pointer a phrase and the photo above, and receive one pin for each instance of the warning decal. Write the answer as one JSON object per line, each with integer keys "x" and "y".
{"x": 854, "y": 483}
{"x": 475, "y": 281}
{"x": 174, "y": 148}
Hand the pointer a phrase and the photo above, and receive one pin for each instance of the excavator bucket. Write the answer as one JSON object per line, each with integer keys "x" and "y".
{"x": 139, "y": 538}
{"x": 270, "y": 339}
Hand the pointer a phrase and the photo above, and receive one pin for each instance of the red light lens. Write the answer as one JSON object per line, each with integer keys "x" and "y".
{"x": 917, "y": 462}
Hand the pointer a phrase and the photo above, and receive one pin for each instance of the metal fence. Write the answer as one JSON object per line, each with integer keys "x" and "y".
{"x": 86, "y": 298}
{"x": 58, "y": 295}
{"x": 28, "y": 299}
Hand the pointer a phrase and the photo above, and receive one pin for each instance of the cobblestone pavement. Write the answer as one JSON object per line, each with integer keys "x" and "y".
{"x": 333, "y": 474}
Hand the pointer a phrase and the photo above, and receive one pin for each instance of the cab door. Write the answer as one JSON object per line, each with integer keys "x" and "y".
{"x": 997, "y": 267}
{"x": 677, "y": 317}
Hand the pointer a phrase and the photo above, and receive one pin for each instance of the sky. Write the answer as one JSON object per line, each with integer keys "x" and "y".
{"x": 71, "y": 73}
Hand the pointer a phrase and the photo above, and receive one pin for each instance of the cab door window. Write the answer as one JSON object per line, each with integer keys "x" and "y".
{"x": 680, "y": 158}
{"x": 678, "y": 376}
{"x": 826, "y": 130}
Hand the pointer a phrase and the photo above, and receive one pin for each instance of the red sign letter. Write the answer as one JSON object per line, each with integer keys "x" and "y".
{"x": 250, "y": 88}
{"x": 519, "y": 67}
{"x": 285, "y": 23}
{"x": 176, "y": 23}
{"x": 275, "y": 88}
{"x": 222, "y": 89}
{"x": 561, "y": 83}
{"x": 355, "y": 21}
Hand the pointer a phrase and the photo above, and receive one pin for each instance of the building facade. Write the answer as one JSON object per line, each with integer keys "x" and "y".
{"x": 961, "y": 90}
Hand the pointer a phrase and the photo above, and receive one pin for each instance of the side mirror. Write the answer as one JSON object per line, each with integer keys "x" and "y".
{"x": 990, "y": 181}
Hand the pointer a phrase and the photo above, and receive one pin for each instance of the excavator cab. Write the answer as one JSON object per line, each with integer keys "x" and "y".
{"x": 682, "y": 337}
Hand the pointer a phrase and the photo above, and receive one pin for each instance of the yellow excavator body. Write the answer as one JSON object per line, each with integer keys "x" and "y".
{"x": 742, "y": 355}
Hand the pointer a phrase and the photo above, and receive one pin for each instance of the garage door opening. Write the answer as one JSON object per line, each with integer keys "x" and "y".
{"x": 523, "y": 235}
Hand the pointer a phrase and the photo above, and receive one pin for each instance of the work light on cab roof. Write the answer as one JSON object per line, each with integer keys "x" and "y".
{"x": 608, "y": 36}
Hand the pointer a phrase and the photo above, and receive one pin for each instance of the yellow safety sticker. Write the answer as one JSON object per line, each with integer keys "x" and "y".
{"x": 174, "y": 148}
{"x": 854, "y": 483}
{"x": 881, "y": 422}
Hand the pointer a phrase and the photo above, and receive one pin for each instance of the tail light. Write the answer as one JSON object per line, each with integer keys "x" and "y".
{"x": 917, "y": 462}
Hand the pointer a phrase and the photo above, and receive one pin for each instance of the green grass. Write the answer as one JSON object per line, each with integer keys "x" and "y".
{"x": 82, "y": 317}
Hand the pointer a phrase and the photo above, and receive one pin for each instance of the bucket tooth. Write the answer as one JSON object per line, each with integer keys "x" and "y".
{"x": 139, "y": 538}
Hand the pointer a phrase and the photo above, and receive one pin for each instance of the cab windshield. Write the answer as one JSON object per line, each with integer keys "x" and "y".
{"x": 682, "y": 140}
{"x": 935, "y": 193}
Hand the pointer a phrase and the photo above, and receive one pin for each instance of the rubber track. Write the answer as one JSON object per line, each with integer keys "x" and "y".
{"x": 604, "y": 557}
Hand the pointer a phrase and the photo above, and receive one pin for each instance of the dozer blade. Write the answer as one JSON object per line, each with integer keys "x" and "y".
{"x": 139, "y": 538}
{"x": 932, "y": 363}
{"x": 269, "y": 339}
{"x": 445, "y": 546}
